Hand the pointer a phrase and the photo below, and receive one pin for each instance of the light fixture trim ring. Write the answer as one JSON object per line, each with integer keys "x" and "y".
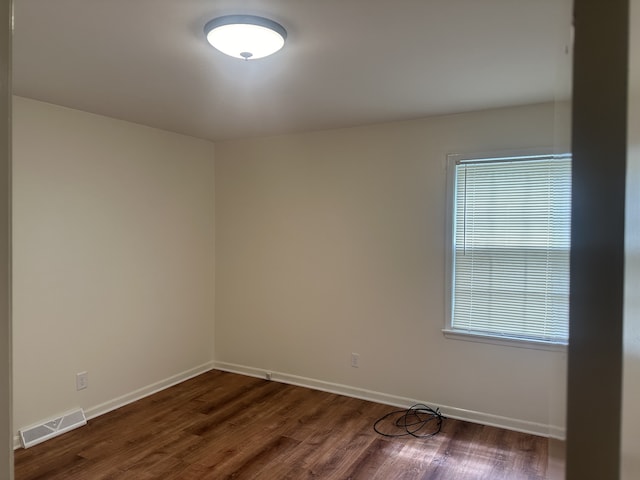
{"x": 245, "y": 20}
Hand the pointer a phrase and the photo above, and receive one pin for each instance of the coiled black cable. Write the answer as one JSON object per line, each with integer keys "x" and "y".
{"x": 411, "y": 422}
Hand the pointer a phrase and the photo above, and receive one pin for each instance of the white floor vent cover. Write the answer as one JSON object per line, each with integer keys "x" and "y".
{"x": 39, "y": 433}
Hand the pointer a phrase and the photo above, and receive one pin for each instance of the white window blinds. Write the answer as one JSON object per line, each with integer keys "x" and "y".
{"x": 511, "y": 248}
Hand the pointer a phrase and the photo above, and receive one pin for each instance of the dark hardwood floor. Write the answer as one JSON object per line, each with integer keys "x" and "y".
{"x": 226, "y": 426}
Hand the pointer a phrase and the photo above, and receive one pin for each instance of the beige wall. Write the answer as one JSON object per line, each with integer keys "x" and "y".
{"x": 630, "y": 447}
{"x": 327, "y": 243}
{"x": 6, "y": 453}
{"x": 113, "y": 258}
{"x": 333, "y": 242}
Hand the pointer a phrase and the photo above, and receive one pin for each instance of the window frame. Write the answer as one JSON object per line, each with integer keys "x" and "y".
{"x": 449, "y": 332}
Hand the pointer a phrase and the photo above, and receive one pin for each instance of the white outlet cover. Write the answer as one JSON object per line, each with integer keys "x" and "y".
{"x": 355, "y": 360}
{"x": 82, "y": 380}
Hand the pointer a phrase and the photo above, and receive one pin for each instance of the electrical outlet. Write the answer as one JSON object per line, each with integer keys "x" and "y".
{"x": 355, "y": 360}
{"x": 82, "y": 380}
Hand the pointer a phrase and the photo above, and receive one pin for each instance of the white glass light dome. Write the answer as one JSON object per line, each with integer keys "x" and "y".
{"x": 245, "y": 36}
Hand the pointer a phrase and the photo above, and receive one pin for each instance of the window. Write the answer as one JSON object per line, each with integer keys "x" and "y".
{"x": 510, "y": 241}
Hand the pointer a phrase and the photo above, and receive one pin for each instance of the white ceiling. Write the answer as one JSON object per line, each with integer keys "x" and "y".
{"x": 345, "y": 63}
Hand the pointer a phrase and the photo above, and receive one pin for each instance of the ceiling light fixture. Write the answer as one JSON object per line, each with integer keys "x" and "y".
{"x": 245, "y": 36}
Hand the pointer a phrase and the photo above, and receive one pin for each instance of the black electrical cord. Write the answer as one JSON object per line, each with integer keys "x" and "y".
{"x": 412, "y": 422}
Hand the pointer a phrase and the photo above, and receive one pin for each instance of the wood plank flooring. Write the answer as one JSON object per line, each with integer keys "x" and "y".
{"x": 225, "y": 426}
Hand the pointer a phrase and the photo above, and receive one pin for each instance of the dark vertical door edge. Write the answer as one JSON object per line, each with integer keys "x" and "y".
{"x": 597, "y": 255}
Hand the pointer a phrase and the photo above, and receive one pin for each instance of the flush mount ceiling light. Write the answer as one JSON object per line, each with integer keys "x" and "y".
{"x": 245, "y": 36}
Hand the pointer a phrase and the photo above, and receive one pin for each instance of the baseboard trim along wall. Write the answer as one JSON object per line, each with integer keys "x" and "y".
{"x": 106, "y": 407}
{"x": 544, "y": 430}
{"x": 551, "y": 431}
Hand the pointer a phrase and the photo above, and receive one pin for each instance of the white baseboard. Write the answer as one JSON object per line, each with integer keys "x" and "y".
{"x": 143, "y": 392}
{"x": 551, "y": 431}
{"x": 544, "y": 430}
{"x": 101, "y": 409}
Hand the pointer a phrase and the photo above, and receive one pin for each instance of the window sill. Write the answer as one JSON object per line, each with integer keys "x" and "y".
{"x": 507, "y": 342}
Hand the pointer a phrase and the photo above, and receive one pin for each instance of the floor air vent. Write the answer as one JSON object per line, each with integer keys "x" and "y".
{"x": 39, "y": 433}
